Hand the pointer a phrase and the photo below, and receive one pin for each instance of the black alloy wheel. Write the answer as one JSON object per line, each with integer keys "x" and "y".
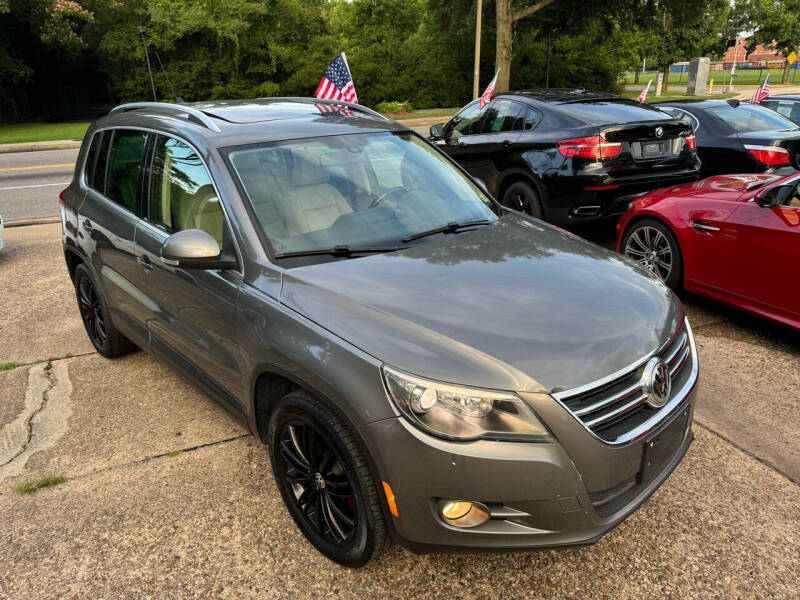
{"x": 101, "y": 331}
{"x": 523, "y": 197}
{"x": 325, "y": 482}
{"x": 323, "y": 492}
{"x": 92, "y": 312}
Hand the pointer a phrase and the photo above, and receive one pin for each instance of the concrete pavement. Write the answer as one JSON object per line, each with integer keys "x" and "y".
{"x": 31, "y": 181}
{"x": 168, "y": 497}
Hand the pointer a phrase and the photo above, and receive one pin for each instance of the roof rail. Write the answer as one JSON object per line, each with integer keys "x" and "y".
{"x": 192, "y": 114}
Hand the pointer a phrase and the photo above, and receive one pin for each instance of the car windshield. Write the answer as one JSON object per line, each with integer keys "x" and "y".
{"x": 359, "y": 190}
{"x": 747, "y": 117}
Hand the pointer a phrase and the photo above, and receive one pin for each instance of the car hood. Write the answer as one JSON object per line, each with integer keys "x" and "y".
{"x": 519, "y": 305}
{"x": 732, "y": 183}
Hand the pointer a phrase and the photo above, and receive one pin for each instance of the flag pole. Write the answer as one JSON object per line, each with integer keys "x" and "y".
{"x": 477, "y": 72}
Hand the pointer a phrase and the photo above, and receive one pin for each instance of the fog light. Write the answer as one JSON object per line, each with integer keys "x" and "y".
{"x": 461, "y": 513}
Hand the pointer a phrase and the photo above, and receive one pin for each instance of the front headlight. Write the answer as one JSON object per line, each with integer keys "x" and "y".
{"x": 462, "y": 413}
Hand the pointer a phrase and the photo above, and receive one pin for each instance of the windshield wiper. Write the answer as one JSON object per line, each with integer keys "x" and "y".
{"x": 451, "y": 227}
{"x": 339, "y": 250}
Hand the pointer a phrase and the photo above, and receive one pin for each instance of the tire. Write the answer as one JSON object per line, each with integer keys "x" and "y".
{"x": 648, "y": 235}
{"x": 523, "y": 197}
{"x": 96, "y": 319}
{"x": 325, "y": 481}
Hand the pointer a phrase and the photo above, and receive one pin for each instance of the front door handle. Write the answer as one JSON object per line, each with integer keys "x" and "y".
{"x": 143, "y": 260}
{"x": 506, "y": 143}
{"x": 87, "y": 225}
{"x": 698, "y": 226}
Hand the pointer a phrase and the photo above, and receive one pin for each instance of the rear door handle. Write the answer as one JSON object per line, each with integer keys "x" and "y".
{"x": 506, "y": 143}
{"x": 87, "y": 224}
{"x": 699, "y": 226}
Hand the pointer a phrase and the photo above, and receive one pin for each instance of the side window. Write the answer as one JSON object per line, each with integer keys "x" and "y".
{"x": 502, "y": 116}
{"x": 124, "y": 167}
{"x": 91, "y": 159}
{"x": 532, "y": 118}
{"x": 181, "y": 193}
{"x": 98, "y": 180}
{"x": 467, "y": 122}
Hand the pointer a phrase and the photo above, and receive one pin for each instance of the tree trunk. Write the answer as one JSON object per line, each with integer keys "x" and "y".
{"x": 636, "y": 75}
{"x": 503, "y": 47}
{"x": 665, "y": 82}
{"x": 785, "y": 78}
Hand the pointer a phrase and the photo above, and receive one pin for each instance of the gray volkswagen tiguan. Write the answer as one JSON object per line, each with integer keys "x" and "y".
{"x": 422, "y": 364}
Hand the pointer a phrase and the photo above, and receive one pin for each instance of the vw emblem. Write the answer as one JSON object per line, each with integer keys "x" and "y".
{"x": 659, "y": 131}
{"x": 656, "y": 382}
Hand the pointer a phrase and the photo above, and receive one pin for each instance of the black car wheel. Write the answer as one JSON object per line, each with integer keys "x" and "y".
{"x": 325, "y": 482}
{"x": 651, "y": 244}
{"x": 104, "y": 336}
{"x": 523, "y": 197}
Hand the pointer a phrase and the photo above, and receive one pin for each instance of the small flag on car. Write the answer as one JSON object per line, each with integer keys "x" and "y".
{"x": 643, "y": 95}
{"x": 762, "y": 92}
{"x": 487, "y": 94}
{"x": 336, "y": 82}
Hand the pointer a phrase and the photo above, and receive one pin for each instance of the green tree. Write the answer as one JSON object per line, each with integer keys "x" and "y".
{"x": 772, "y": 20}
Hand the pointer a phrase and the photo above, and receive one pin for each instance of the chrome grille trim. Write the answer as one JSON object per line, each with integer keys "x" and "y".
{"x": 675, "y": 352}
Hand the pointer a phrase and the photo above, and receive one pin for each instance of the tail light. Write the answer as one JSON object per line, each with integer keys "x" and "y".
{"x": 691, "y": 141}
{"x": 61, "y": 197}
{"x": 769, "y": 155}
{"x": 593, "y": 147}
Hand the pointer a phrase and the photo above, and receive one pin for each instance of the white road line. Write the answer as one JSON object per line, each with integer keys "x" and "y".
{"x": 25, "y": 187}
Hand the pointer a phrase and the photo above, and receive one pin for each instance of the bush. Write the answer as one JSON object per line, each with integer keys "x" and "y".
{"x": 394, "y": 107}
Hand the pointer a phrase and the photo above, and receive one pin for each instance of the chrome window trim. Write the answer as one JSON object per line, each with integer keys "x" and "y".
{"x": 694, "y": 119}
{"x": 240, "y": 270}
{"x": 650, "y": 424}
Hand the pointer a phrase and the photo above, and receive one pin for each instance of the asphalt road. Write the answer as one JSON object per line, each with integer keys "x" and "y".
{"x": 31, "y": 181}
{"x": 166, "y": 496}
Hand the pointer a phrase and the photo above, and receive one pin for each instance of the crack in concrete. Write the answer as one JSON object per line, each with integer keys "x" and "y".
{"x": 749, "y": 453}
{"x": 43, "y": 419}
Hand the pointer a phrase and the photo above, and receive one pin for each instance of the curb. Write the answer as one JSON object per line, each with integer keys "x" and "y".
{"x": 36, "y": 221}
{"x": 35, "y": 146}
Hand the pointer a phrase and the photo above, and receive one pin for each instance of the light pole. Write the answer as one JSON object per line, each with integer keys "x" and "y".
{"x": 142, "y": 28}
{"x": 477, "y": 73}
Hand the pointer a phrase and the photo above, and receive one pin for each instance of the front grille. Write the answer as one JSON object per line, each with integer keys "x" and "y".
{"x": 617, "y": 411}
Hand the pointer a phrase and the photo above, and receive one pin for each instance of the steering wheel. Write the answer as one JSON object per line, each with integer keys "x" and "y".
{"x": 385, "y": 195}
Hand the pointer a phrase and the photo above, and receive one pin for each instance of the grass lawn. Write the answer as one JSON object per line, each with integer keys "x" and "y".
{"x": 651, "y": 97}
{"x": 425, "y": 112}
{"x": 41, "y": 132}
{"x": 742, "y": 77}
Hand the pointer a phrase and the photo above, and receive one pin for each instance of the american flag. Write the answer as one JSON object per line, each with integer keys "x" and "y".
{"x": 487, "y": 94}
{"x": 334, "y": 109}
{"x": 336, "y": 82}
{"x": 643, "y": 95}
{"x": 761, "y": 93}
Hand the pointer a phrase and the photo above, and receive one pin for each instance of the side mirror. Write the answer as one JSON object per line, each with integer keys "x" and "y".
{"x": 194, "y": 249}
{"x": 436, "y": 131}
{"x": 775, "y": 196}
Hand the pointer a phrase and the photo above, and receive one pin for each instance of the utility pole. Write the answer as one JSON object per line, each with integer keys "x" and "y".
{"x": 147, "y": 57}
{"x": 547, "y": 79}
{"x": 477, "y": 73}
{"x": 733, "y": 66}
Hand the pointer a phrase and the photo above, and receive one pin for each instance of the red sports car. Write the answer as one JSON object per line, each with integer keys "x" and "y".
{"x": 735, "y": 238}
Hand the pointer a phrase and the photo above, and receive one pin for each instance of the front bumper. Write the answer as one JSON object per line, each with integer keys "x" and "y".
{"x": 535, "y": 493}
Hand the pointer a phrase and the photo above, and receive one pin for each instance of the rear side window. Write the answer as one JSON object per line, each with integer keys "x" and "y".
{"x": 91, "y": 159}
{"x": 532, "y": 118}
{"x": 181, "y": 193}
{"x": 748, "y": 117}
{"x": 502, "y": 116}
{"x": 611, "y": 112}
{"x": 124, "y": 168}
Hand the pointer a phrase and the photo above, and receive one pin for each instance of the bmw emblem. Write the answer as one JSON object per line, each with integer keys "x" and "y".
{"x": 656, "y": 382}
{"x": 659, "y": 131}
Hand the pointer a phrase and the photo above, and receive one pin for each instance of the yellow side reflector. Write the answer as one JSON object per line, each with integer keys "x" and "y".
{"x": 387, "y": 489}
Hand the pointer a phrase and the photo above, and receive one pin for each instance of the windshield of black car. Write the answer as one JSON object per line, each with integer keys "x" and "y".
{"x": 357, "y": 190}
{"x": 747, "y": 117}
